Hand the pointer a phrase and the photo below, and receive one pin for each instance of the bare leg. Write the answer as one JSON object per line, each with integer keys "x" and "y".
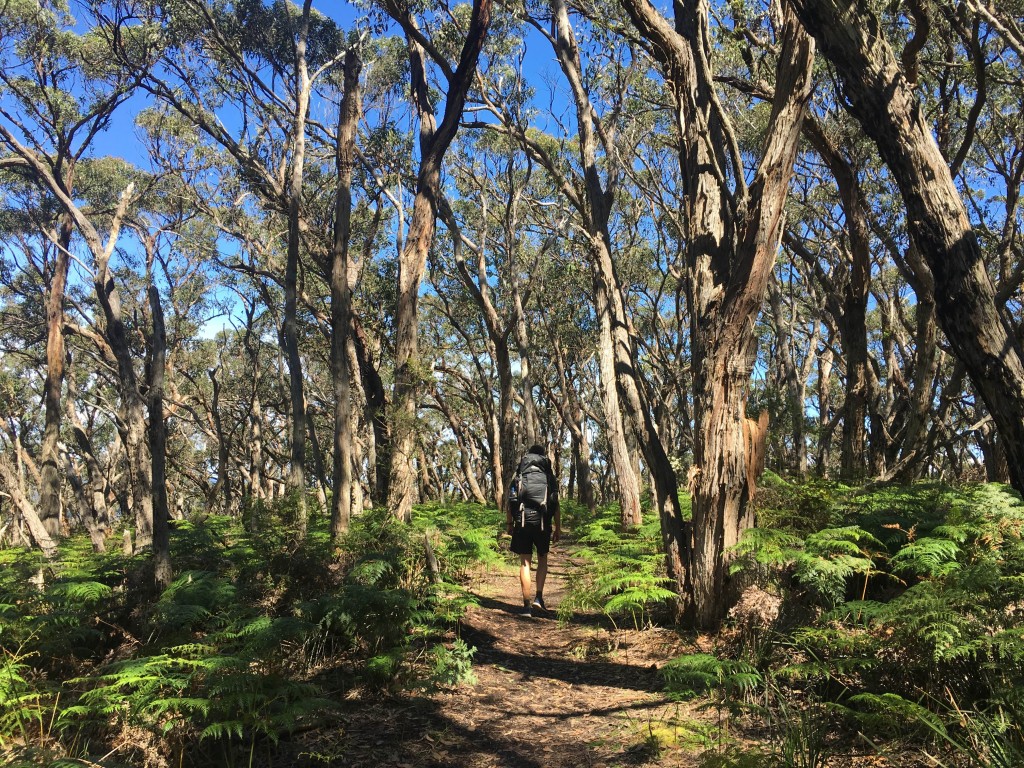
{"x": 542, "y": 574}
{"x": 524, "y": 575}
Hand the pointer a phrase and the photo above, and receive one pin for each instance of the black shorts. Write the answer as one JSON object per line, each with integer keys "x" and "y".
{"x": 526, "y": 537}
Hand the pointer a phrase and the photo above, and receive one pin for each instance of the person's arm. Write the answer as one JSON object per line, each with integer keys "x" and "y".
{"x": 556, "y": 534}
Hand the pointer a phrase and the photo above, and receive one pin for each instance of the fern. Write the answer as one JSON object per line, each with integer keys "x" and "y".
{"x": 933, "y": 558}
{"x": 692, "y": 675}
{"x": 890, "y": 714}
{"x": 23, "y": 705}
{"x": 451, "y": 667}
{"x": 823, "y": 562}
{"x": 622, "y": 575}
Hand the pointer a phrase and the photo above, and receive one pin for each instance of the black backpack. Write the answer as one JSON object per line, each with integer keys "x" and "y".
{"x": 529, "y": 497}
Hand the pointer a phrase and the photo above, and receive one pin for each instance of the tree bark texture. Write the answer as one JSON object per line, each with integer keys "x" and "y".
{"x": 341, "y": 299}
{"x": 615, "y": 432}
{"x": 297, "y": 443}
{"x": 732, "y": 239}
{"x": 880, "y": 98}
{"x": 49, "y": 455}
{"x": 162, "y": 571}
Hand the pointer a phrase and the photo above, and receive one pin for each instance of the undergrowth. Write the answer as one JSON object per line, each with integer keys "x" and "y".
{"x": 623, "y": 575}
{"x": 900, "y": 629}
{"x": 258, "y": 635}
{"x": 896, "y": 626}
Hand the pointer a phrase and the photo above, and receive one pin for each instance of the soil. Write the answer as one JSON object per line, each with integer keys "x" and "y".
{"x": 549, "y": 693}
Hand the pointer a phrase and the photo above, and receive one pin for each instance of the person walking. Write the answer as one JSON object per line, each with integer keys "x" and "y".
{"x": 534, "y": 520}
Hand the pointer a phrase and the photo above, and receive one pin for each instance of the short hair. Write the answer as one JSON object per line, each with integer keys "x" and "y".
{"x": 538, "y": 449}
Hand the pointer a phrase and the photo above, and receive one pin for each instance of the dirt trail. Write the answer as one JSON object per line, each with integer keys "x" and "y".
{"x": 578, "y": 694}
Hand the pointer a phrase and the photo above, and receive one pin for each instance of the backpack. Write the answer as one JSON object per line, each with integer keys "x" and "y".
{"x": 529, "y": 496}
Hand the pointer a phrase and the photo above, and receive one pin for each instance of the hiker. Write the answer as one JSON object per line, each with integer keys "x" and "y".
{"x": 534, "y": 520}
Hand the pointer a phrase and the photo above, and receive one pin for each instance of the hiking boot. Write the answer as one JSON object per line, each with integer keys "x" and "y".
{"x": 538, "y": 604}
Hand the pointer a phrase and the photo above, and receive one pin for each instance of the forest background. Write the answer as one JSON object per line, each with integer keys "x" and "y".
{"x": 275, "y": 266}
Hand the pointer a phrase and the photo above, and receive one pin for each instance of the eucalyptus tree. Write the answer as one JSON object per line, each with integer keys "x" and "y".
{"x": 434, "y": 140}
{"x": 732, "y": 234}
{"x": 845, "y": 278}
{"x": 659, "y": 313}
{"x": 501, "y": 240}
{"x": 468, "y": 381}
{"x": 580, "y": 183}
{"x": 348, "y": 121}
{"x": 794, "y": 358}
{"x": 40, "y": 115}
{"x": 175, "y": 242}
{"x": 592, "y": 197}
{"x": 879, "y": 93}
{"x": 262, "y": 63}
{"x": 568, "y": 357}
{"x": 57, "y": 93}
{"x": 27, "y": 277}
{"x": 301, "y": 86}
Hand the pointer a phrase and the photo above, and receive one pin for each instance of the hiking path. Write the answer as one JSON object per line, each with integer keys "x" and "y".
{"x": 580, "y": 693}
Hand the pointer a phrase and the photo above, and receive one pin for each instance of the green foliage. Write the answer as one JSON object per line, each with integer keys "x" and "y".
{"x": 196, "y": 687}
{"x": 225, "y": 656}
{"x": 24, "y": 707}
{"x": 890, "y": 714}
{"x": 451, "y": 667}
{"x": 922, "y": 586}
{"x": 701, "y": 673}
{"x": 467, "y": 535}
{"x": 624, "y": 570}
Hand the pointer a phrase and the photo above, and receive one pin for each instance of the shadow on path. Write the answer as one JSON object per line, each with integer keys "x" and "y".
{"x": 536, "y": 659}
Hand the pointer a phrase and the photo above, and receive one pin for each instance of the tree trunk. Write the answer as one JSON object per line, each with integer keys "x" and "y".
{"x": 297, "y": 443}
{"x": 38, "y": 531}
{"x": 319, "y": 465}
{"x": 996, "y": 468}
{"x": 615, "y": 433}
{"x": 408, "y": 367}
{"x": 731, "y": 245}
{"x": 594, "y": 207}
{"x": 341, "y": 305}
{"x": 884, "y": 103}
{"x": 914, "y": 453}
{"x": 162, "y": 571}
{"x": 97, "y": 535}
{"x": 133, "y": 410}
{"x": 852, "y": 317}
{"x": 49, "y": 487}
{"x": 795, "y": 388}
{"x": 503, "y": 454}
{"x": 223, "y": 486}
{"x": 97, "y": 481}
{"x": 257, "y": 484}
{"x": 433, "y": 146}
{"x": 375, "y": 401}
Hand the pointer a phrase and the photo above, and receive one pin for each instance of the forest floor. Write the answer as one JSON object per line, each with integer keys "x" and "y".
{"x": 549, "y": 693}
{"x": 578, "y": 693}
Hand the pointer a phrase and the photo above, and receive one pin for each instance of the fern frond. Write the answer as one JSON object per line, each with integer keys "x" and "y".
{"x": 927, "y": 557}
